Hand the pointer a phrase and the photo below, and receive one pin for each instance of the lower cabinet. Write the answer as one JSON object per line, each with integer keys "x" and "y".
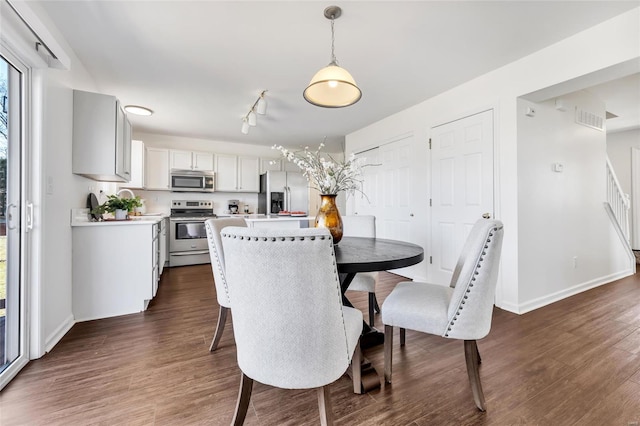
{"x": 116, "y": 268}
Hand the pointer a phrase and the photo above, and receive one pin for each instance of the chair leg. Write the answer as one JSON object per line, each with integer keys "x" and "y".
{"x": 375, "y": 303}
{"x": 372, "y": 303}
{"x": 478, "y": 353}
{"x": 244, "y": 396}
{"x": 403, "y": 336}
{"x": 222, "y": 319}
{"x": 356, "y": 369}
{"x": 324, "y": 404}
{"x": 388, "y": 352}
{"x": 471, "y": 356}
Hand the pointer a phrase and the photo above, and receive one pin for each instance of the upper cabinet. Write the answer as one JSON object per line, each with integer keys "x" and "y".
{"x": 191, "y": 160}
{"x": 237, "y": 173}
{"x": 101, "y": 138}
{"x": 156, "y": 168}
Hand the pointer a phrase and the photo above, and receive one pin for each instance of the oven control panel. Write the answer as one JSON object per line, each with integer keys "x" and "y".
{"x": 191, "y": 204}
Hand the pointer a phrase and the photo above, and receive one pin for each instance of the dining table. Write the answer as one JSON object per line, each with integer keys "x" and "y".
{"x": 363, "y": 254}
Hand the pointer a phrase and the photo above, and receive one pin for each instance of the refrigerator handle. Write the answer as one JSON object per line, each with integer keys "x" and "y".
{"x": 287, "y": 198}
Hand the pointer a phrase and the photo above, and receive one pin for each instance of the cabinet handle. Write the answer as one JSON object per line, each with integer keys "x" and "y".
{"x": 411, "y": 214}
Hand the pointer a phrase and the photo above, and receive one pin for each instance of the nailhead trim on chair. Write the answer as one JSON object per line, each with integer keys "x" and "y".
{"x": 218, "y": 264}
{"x": 473, "y": 278}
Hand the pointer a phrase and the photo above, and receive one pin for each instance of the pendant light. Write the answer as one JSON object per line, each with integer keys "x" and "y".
{"x": 332, "y": 86}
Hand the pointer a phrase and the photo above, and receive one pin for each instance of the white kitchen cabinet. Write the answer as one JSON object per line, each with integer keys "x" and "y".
{"x": 101, "y": 138}
{"x": 237, "y": 173}
{"x": 164, "y": 243}
{"x": 156, "y": 169}
{"x": 137, "y": 166}
{"x": 288, "y": 166}
{"x": 115, "y": 269}
{"x": 191, "y": 160}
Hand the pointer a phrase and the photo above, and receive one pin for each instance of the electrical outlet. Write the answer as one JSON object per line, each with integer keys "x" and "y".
{"x": 575, "y": 262}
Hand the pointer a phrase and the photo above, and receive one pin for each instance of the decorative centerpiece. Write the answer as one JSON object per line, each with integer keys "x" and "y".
{"x": 329, "y": 177}
{"x": 120, "y": 207}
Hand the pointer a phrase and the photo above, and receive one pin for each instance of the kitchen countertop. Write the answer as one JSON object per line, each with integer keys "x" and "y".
{"x": 80, "y": 217}
{"x": 272, "y": 217}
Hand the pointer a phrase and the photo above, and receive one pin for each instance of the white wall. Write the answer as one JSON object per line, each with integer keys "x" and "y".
{"x": 617, "y": 41}
{"x": 52, "y": 208}
{"x": 565, "y": 237}
{"x": 619, "y": 145}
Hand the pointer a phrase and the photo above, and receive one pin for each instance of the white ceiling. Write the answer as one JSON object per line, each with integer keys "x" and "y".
{"x": 200, "y": 65}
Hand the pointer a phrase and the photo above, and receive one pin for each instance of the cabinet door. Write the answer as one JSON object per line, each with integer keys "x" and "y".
{"x": 270, "y": 164}
{"x": 127, "y": 148}
{"x": 248, "y": 174}
{"x": 202, "y": 161}
{"x": 226, "y": 172}
{"x": 137, "y": 165}
{"x": 121, "y": 145}
{"x": 181, "y": 160}
{"x": 157, "y": 168}
{"x": 288, "y": 166}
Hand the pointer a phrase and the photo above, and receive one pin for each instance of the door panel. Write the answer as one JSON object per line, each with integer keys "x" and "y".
{"x": 462, "y": 186}
{"x": 13, "y": 331}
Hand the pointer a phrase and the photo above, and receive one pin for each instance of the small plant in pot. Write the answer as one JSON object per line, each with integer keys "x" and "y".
{"x": 120, "y": 207}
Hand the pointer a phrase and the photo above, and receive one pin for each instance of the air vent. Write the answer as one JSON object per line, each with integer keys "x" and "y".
{"x": 589, "y": 119}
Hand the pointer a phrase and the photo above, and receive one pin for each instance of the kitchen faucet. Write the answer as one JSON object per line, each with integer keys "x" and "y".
{"x": 126, "y": 190}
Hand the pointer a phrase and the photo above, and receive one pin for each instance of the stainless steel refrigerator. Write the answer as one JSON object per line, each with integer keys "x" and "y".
{"x": 283, "y": 191}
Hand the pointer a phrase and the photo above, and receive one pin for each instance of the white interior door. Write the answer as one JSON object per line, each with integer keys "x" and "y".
{"x": 394, "y": 220}
{"x": 462, "y": 187}
{"x": 366, "y": 203}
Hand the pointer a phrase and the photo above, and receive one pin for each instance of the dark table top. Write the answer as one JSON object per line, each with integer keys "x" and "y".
{"x": 355, "y": 254}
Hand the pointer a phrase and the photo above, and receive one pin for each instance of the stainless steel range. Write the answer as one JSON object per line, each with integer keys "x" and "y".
{"x": 187, "y": 237}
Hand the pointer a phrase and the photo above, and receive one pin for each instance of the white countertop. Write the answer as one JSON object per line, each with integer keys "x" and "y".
{"x": 80, "y": 217}
{"x": 273, "y": 217}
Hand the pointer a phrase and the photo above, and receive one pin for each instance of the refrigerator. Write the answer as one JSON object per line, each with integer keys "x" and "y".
{"x": 283, "y": 191}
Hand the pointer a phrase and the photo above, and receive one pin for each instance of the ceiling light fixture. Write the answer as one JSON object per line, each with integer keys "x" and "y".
{"x": 332, "y": 86}
{"x": 251, "y": 119}
{"x": 138, "y": 110}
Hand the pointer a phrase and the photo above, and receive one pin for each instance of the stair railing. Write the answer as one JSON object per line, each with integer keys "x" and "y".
{"x": 619, "y": 202}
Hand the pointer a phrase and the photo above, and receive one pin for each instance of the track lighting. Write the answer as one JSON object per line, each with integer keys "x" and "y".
{"x": 251, "y": 119}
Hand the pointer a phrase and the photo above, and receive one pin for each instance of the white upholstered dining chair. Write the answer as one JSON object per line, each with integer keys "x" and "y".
{"x": 363, "y": 226}
{"x": 290, "y": 326}
{"x": 213, "y": 228}
{"x": 462, "y": 310}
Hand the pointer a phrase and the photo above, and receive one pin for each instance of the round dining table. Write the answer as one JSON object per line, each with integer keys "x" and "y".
{"x": 360, "y": 254}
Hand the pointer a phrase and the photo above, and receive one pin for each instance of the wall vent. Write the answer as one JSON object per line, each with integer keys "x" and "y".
{"x": 589, "y": 119}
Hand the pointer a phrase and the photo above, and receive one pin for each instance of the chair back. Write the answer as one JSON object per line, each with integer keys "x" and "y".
{"x": 287, "y": 308}
{"x": 213, "y": 228}
{"x": 474, "y": 281}
{"x": 359, "y": 226}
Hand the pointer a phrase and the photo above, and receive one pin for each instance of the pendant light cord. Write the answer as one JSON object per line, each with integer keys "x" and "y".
{"x": 333, "y": 39}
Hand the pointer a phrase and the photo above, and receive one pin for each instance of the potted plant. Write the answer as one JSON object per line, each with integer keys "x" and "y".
{"x": 120, "y": 207}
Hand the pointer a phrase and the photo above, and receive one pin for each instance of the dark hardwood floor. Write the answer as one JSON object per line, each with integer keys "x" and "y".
{"x": 576, "y": 362}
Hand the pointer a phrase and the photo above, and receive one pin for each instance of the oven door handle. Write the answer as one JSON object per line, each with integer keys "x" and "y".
{"x": 189, "y": 253}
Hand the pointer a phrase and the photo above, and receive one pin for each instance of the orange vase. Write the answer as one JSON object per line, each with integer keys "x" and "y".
{"x": 329, "y": 217}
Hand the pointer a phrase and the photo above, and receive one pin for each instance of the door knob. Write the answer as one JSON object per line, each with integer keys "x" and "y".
{"x": 486, "y": 216}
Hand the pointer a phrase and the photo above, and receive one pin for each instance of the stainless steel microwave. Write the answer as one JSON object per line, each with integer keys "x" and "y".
{"x": 192, "y": 181}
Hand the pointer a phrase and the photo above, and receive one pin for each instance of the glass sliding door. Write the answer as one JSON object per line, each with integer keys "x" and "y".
{"x": 13, "y": 349}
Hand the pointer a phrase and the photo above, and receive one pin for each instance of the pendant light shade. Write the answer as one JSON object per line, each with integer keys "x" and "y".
{"x": 332, "y": 86}
{"x": 261, "y": 106}
{"x": 252, "y": 119}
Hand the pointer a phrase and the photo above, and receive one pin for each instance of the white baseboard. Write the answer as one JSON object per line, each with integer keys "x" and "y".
{"x": 59, "y": 333}
{"x": 571, "y": 291}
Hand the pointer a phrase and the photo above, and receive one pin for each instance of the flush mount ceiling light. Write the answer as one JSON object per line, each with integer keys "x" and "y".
{"x": 138, "y": 110}
{"x": 332, "y": 86}
{"x": 251, "y": 119}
